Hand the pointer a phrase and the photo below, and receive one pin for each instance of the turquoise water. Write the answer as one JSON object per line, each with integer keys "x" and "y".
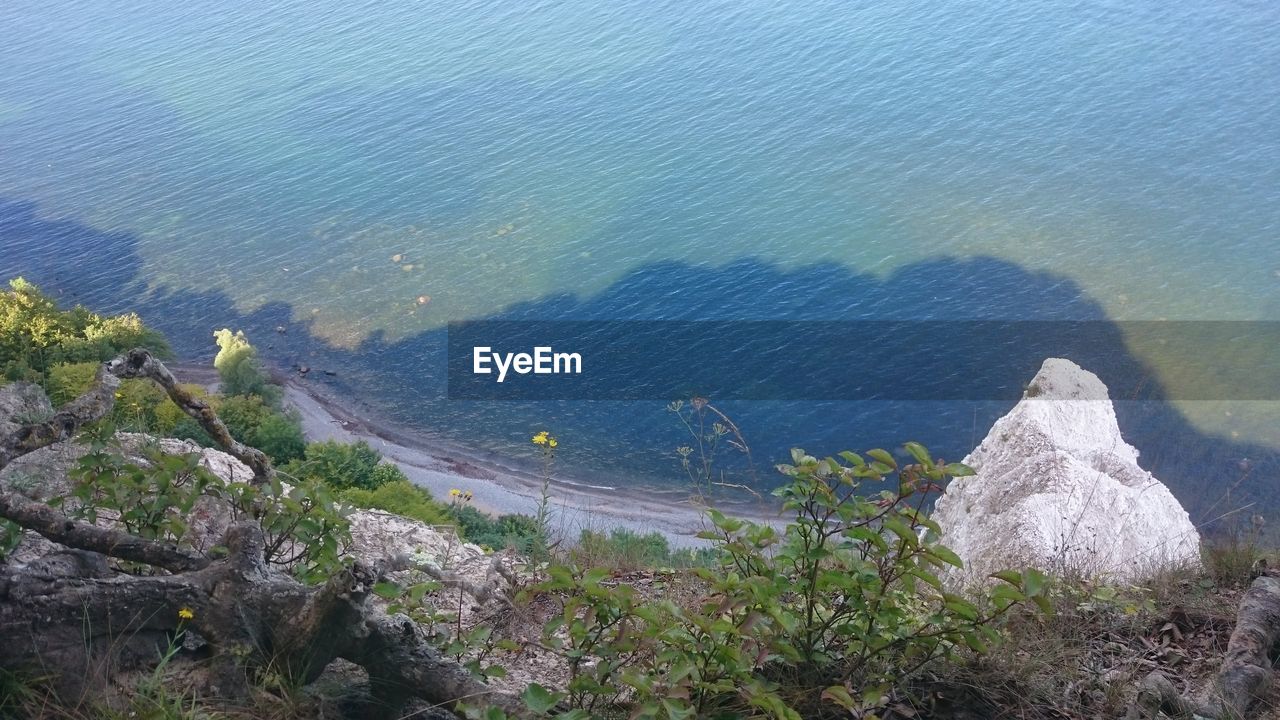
{"x": 263, "y": 164}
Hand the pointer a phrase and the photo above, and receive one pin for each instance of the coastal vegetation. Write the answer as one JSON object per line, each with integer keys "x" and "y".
{"x": 840, "y": 610}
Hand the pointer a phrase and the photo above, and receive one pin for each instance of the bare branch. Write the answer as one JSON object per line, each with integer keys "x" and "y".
{"x": 140, "y": 363}
{"x": 93, "y": 405}
{"x": 57, "y": 527}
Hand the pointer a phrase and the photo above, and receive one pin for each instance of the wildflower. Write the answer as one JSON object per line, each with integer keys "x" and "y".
{"x": 541, "y": 438}
{"x": 551, "y": 442}
{"x": 455, "y": 492}
{"x": 186, "y": 613}
{"x": 466, "y": 495}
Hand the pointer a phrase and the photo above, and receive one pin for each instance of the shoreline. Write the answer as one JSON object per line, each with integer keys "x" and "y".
{"x": 497, "y": 488}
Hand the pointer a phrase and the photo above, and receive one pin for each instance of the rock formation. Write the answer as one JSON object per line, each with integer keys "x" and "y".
{"x": 1058, "y": 488}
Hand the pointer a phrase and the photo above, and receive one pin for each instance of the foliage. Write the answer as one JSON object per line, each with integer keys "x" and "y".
{"x": 10, "y": 538}
{"x": 505, "y": 531}
{"x": 152, "y": 502}
{"x": 402, "y": 498}
{"x": 189, "y": 429}
{"x": 624, "y": 550}
{"x": 304, "y": 527}
{"x": 344, "y": 466}
{"x": 472, "y": 648}
{"x": 819, "y": 619}
{"x": 253, "y": 421}
{"x": 240, "y": 369}
{"x": 35, "y": 335}
{"x": 140, "y": 406}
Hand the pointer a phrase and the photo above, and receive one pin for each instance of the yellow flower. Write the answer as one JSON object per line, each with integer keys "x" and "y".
{"x": 552, "y": 442}
{"x": 455, "y": 492}
{"x": 186, "y": 614}
{"x": 540, "y": 438}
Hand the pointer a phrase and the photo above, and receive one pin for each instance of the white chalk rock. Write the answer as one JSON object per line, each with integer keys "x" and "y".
{"x": 1058, "y": 488}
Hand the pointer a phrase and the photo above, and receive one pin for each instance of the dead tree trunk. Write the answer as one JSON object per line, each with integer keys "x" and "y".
{"x": 1246, "y": 674}
{"x": 73, "y": 616}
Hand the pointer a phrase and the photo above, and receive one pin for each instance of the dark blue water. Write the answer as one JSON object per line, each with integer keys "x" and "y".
{"x": 251, "y": 165}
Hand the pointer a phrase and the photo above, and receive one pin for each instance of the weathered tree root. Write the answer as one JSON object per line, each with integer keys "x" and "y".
{"x": 73, "y": 618}
{"x": 1245, "y": 676}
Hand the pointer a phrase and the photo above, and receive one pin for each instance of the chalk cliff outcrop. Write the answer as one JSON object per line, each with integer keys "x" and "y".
{"x": 1058, "y": 488}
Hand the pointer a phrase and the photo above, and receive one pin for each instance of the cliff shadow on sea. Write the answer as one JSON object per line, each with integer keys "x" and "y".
{"x": 621, "y": 440}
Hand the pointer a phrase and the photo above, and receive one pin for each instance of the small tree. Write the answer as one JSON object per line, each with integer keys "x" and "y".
{"x": 241, "y": 371}
{"x": 345, "y": 465}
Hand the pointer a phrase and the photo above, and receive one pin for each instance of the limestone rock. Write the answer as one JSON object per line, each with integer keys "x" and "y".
{"x": 1058, "y": 488}
{"x": 22, "y": 403}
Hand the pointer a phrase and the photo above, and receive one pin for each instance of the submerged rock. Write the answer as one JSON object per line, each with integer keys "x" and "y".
{"x": 1058, "y": 488}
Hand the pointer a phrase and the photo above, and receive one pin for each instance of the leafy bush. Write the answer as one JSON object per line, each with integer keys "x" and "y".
{"x": 402, "y": 498}
{"x": 35, "y": 335}
{"x": 820, "y": 619}
{"x": 251, "y": 420}
{"x": 514, "y": 531}
{"x": 280, "y": 436}
{"x": 343, "y": 466}
{"x": 140, "y": 405}
{"x": 302, "y": 525}
{"x": 239, "y": 368}
{"x": 625, "y": 550}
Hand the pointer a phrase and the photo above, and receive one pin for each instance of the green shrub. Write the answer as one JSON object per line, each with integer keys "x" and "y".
{"x": 819, "y": 619}
{"x": 505, "y": 531}
{"x": 35, "y": 335}
{"x": 624, "y": 550}
{"x": 140, "y": 406}
{"x": 402, "y": 498}
{"x": 251, "y": 420}
{"x": 240, "y": 370}
{"x": 343, "y": 466}
{"x": 280, "y": 436}
{"x": 303, "y": 526}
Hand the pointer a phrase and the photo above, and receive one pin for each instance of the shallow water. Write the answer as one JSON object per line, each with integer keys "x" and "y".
{"x": 262, "y": 165}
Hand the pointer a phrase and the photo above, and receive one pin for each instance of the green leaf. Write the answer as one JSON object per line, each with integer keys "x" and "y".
{"x": 959, "y": 470}
{"x": 963, "y": 608}
{"x": 839, "y": 695}
{"x": 386, "y": 590}
{"x": 1033, "y": 581}
{"x": 946, "y": 555}
{"x": 853, "y": 459}
{"x": 539, "y": 699}
{"x": 928, "y": 577}
{"x": 1043, "y": 603}
{"x": 1013, "y": 577}
{"x": 899, "y": 528}
{"x": 919, "y": 452}
{"x": 974, "y": 642}
{"x": 883, "y": 457}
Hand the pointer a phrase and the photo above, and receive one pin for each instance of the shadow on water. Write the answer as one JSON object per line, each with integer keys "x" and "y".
{"x": 608, "y": 442}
